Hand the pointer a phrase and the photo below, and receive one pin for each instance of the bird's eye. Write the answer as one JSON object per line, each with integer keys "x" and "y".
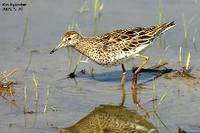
{"x": 69, "y": 38}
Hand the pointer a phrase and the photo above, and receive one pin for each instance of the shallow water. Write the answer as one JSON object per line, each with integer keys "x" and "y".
{"x": 69, "y": 99}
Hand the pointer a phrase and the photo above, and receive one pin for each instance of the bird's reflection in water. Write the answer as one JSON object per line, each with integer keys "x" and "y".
{"x": 136, "y": 101}
{"x": 111, "y": 119}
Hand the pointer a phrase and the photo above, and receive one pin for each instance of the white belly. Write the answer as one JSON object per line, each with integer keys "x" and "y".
{"x": 121, "y": 58}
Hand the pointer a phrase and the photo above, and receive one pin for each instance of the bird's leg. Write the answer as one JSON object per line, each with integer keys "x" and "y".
{"x": 122, "y": 84}
{"x": 134, "y": 85}
{"x": 123, "y": 75}
{"x": 73, "y": 75}
{"x": 146, "y": 59}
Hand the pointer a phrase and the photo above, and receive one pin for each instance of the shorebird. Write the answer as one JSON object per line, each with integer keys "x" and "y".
{"x": 115, "y": 48}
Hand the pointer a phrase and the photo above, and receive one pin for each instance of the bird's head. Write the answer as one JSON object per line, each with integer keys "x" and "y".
{"x": 69, "y": 39}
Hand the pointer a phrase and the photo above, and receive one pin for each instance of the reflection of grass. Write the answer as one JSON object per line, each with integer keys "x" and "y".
{"x": 158, "y": 117}
{"x": 154, "y": 97}
{"x": 47, "y": 100}
{"x": 180, "y": 55}
{"x": 161, "y": 100}
{"x": 156, "y": 104}
{"x": 25, "y": 100}
{"x": 36, "y": 84}
{"x": 36, "y": 88}
{"x": 30, "y": 59}
{"x": 24, "y": 35}
{"x": 194, "y": 40}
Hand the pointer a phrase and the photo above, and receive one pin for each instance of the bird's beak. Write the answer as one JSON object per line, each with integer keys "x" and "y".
{"x": 56, "y": 48}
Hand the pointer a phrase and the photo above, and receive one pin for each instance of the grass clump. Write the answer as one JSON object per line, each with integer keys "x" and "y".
{"x": 6, "y": 84}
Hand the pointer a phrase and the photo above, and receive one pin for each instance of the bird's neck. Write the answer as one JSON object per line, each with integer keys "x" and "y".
{"x": 84, "y": 46}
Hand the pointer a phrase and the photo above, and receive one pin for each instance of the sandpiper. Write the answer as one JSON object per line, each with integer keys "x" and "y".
{"x": 115, "y": 48}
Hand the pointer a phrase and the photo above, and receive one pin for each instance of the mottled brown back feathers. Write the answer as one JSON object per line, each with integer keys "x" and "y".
{"x": 131, "y": 38}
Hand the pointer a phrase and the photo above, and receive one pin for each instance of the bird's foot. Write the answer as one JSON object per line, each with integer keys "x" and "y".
{"x": 72, "y": 75}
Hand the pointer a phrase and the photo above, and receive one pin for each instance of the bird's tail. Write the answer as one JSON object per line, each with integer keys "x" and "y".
{"x": 161, "y": 28}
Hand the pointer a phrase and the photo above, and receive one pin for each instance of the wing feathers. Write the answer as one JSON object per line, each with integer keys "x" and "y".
{"x": 127, "y": 39}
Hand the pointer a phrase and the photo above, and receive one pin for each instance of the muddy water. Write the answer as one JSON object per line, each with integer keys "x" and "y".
{"x": 41, "y": 24}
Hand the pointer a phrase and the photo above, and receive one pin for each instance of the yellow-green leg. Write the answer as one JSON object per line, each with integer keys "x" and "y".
{"x": 146, "y": 59}
{"x": 134, "y": 85}
{"x": 122, "y": 85}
